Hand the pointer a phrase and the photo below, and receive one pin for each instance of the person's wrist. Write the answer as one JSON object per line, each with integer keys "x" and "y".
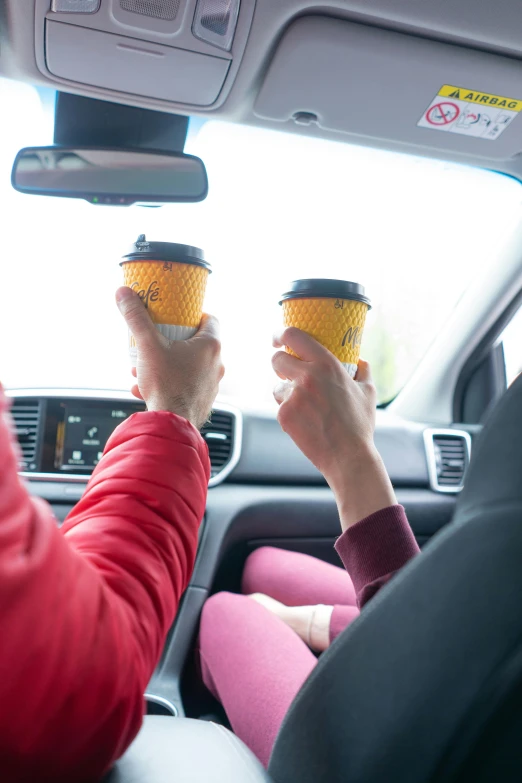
{"x": 170, "y": 405}
{"x": 347, "y": 463}
{"x": 361, "y": 486}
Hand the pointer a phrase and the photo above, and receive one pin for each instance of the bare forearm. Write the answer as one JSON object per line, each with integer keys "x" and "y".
{"x": 361, "y": 485}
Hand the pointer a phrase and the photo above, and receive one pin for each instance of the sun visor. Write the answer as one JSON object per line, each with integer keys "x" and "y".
{"x": 384, "y": 85}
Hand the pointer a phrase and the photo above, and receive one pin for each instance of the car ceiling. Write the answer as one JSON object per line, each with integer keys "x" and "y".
{"x": 366, "y": 73}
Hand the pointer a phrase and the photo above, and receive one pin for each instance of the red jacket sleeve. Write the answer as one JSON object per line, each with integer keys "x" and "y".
{"x": 84, "y": 611}
{"x": 375, "y": 548}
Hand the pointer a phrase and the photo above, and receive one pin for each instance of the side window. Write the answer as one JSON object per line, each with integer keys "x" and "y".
{"x": 511, "y": 339}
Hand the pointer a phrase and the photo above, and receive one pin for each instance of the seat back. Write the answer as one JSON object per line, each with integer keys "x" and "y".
{"x": 427, "y": 684}
{"x": 181, "y": 750}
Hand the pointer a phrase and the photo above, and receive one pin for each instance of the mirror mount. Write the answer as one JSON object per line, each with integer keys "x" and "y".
{"x": 88, "y": 122}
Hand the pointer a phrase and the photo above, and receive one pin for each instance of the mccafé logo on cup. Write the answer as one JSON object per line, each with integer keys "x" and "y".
{"x": 150, "y": 295}
{"x": 352, "y": 337}
{"x": 331, "y": 311}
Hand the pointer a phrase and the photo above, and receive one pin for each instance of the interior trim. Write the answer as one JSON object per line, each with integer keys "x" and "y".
{"x": 90, "y": 394}
{"x": 105, "y": 21}
{"x": 429, "y": 436}
{"x": 237, "y": 444}
{"x": 162, "y": 702}
{"x": 56, "y": 477}
{"x": 480, "y": 353}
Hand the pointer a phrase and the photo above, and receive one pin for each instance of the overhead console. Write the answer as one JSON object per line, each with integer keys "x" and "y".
{"x": 178, "y": 51}
{"x": 384, "y": 85}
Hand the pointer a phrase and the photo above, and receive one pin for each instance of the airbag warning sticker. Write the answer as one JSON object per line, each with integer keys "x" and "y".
{"x": 470, "y": 113}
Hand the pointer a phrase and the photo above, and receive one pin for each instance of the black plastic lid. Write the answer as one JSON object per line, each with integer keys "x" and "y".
{"x": 319, "y": 288}
{"x": 165, "y": 251}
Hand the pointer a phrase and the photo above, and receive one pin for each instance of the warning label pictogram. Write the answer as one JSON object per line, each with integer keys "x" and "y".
{"x": 470, "y": 112}
{"x": 442, "y": 113}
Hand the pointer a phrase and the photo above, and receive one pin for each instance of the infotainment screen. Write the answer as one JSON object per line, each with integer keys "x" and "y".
{"x": 83, "y": 433}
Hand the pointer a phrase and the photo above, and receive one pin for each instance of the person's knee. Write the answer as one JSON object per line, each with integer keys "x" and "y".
{"x": 221, "y": 615}
{"x": 257, "y": 565}
{"x": 216, "y": 607}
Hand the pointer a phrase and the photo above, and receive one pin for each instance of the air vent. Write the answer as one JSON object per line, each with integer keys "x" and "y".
{"x": 26, "y": 416}
{"x": 223, "y": 437}
{"x": 448, "y": 453}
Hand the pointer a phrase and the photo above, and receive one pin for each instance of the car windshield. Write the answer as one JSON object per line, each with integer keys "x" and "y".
{"x": 413, "y": 231}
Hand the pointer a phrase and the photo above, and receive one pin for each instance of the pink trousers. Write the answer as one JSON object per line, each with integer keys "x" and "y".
{"x": 251, "y": 661}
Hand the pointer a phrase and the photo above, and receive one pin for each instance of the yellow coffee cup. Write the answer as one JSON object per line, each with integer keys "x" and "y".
{"x": 331, "y": 311}
{"x": 171, "y": 281}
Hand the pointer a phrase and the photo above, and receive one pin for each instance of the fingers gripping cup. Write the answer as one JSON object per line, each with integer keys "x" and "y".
{"x": 170, "y": 280}
{"x": 331, "y": 311}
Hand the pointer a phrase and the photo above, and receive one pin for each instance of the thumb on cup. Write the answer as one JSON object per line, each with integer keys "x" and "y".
{"x": 136, "y": 316}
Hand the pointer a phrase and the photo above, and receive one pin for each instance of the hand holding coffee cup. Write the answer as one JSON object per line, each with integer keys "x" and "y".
{"x": 333, "y": 312}
{"x": 171, "y": 281}
{"x": 181, "y": 377}
{"x": 330, "y": 417}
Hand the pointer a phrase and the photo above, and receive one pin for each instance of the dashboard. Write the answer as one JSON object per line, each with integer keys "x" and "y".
{"x": 62, "y": 435}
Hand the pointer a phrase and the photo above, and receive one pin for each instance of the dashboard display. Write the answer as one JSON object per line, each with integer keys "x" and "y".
{"x": 83, "y": 433}
{"x": 62, "y": 439}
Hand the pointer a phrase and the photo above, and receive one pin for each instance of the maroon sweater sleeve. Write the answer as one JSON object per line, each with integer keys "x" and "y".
{"x": 375, "y": 548}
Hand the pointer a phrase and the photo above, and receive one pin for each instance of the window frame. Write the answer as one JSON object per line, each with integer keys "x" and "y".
{"x": 484, "y": 372}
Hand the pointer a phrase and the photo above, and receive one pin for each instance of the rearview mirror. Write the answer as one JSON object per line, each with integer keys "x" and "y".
{"x": 110, "y": 176}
